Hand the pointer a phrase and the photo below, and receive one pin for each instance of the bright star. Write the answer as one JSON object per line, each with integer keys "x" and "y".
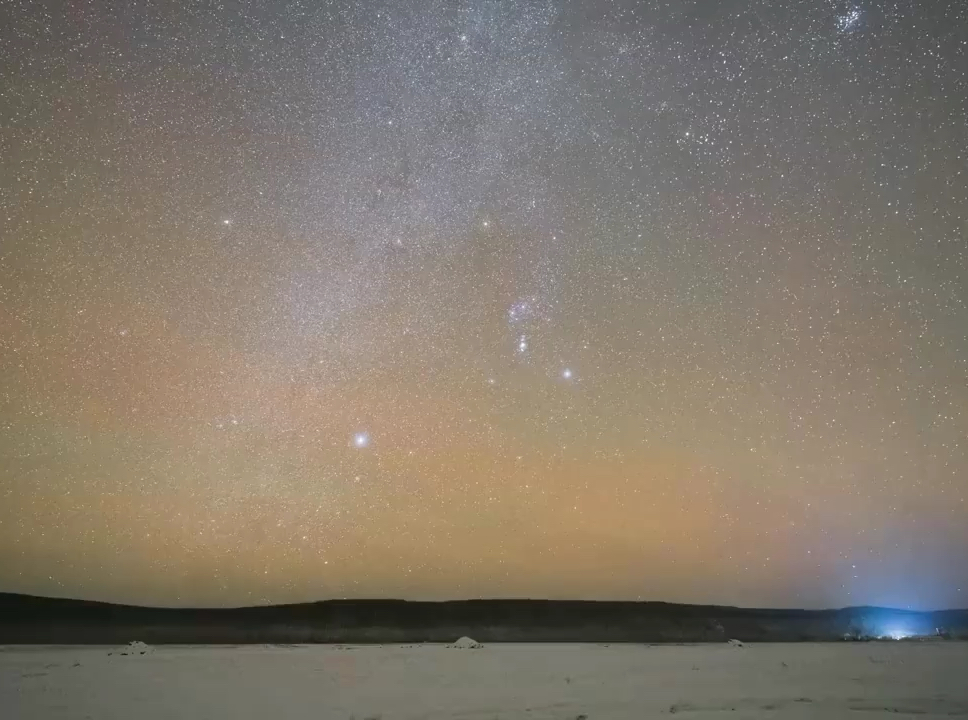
{"x": 226, "y": 222}
{"x": 361, "y": 440}
{"x": 566, "y": 374}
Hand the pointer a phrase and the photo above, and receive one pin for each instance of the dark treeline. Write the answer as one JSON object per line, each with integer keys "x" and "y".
{"x": 26, "y": 619}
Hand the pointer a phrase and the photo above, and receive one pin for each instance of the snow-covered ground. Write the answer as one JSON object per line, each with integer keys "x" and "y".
{"x": 849, "y": 680}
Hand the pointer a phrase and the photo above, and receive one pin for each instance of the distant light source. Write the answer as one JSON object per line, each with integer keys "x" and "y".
{"x": 896, "y": 633}
{"x": 361, "y": 440}
{"x": 566, "y": 374}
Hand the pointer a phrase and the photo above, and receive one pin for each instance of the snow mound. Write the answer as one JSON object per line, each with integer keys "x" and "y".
{"x": 466, "y": 642}
{"x": 135, "y": 647}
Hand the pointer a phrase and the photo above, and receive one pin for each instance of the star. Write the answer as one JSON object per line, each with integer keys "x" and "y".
{"x": 361, "y": 440}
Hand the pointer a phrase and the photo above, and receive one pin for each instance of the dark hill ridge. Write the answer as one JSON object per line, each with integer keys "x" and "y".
{"x": 28, "y": 619}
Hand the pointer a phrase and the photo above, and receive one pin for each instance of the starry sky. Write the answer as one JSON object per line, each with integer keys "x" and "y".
{"x": 656, "y": 299}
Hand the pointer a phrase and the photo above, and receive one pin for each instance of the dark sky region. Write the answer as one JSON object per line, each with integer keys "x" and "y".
{"x": 608, "y": 300}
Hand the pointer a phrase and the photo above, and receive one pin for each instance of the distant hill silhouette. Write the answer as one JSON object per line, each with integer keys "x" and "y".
{"x": 29, "y": 619}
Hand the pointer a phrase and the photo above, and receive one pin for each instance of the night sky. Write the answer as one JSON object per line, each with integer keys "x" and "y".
{"x": 610, "y": 300}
